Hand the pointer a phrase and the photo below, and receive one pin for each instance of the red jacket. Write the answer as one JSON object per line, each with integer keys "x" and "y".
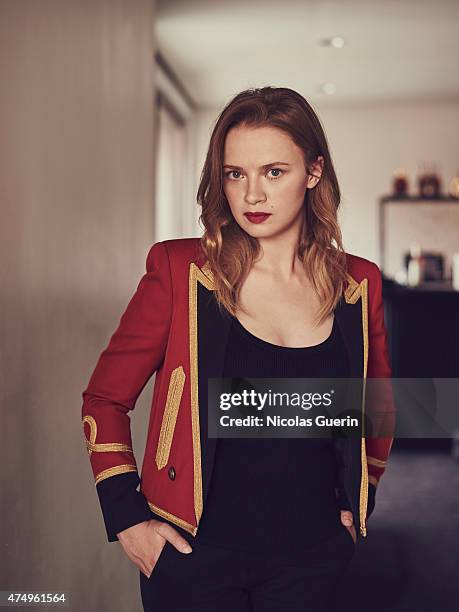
{"x": 171, "y": 327}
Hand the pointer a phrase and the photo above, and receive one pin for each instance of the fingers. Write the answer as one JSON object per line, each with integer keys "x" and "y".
{"x": 146, "y": 569}
{"x": 144, "y": 543}
{"x": 169, "y": 534}
{"x": 172, "y": 536}
{"x": 347, "y": 518}
{"x": 147, "y": 563}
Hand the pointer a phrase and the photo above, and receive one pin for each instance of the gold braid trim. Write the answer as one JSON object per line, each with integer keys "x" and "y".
{"x": 108, "y": 447}
{"x": 373, "y": 480}
{"x": 353, "y": 292}
{"x": 114, "y": 471}
{"x": 173, "y": 519}
{"x": 195, "y": 274}
{"x": 174, "y": 396}
{"x": 376, "y": 462}
{"x": 364, "y": 478}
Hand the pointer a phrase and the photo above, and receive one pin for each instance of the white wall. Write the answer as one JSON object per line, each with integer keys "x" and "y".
{"x": 367, "y": 143}
{"x": 76, "y": 190}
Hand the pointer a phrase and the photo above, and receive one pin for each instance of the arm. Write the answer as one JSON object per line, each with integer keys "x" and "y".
{"x": 122, "y": 504}
{"x": 134, "y": 353}
{"x": 380, "y": 399}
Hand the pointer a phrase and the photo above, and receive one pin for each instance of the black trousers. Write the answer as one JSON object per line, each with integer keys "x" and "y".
{"x": 211, "y": 579}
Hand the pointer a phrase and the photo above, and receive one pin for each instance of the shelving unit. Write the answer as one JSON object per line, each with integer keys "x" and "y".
{"x": 432, "y": 222}
{"x": 421, "y": 322}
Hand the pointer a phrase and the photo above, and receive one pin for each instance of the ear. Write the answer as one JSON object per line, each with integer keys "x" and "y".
{"x": 315, "y": 172}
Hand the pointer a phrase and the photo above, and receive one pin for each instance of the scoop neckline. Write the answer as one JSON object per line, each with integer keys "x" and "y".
{"x": 287, "y": 349}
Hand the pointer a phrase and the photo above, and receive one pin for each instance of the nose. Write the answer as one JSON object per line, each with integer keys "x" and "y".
{"x": 254, "y": 193}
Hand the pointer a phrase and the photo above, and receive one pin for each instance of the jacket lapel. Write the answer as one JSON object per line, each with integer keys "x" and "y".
{"x": 349, "y": 318}
{"x": 209, "y": 331}
{"x": 352, "y": 318}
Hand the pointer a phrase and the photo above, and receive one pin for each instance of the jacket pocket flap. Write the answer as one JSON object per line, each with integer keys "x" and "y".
{"x": 174, "y": 396}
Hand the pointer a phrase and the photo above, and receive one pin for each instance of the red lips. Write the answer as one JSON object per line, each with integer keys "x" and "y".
{"x": 257, "y": 217}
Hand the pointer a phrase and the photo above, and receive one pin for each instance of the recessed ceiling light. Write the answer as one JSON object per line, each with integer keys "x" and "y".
{"x": 328, "y": 88}
{"x": 337, "y": 42}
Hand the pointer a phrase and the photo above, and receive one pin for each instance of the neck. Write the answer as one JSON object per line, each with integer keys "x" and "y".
{"x": 278, "y": 256}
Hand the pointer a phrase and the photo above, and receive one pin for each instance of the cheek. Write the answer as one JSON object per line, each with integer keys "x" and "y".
{"x": 232, "y": 192}
{"x": 292, "y": 192}
{"x": 298, "y": 188}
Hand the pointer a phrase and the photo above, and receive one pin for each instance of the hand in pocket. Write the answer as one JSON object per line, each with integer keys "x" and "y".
{"x": 143, "y": 543}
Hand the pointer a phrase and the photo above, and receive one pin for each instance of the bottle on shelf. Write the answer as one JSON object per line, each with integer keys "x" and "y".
{"x": 415, "y": 265}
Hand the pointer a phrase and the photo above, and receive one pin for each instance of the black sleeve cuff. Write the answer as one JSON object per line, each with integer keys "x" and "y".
{"x": 371, "y": 499}
{"x": 342, "y": 501}
{"x": 122, "y": 505}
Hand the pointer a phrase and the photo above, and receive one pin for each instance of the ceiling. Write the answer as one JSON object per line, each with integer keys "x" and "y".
{"x": 405, "y": 50}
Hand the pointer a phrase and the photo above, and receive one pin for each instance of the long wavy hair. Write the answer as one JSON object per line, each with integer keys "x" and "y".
{"x": 230, "y": 250}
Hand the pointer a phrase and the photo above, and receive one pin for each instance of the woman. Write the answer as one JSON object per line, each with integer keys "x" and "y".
{"x": 267, "y": 291}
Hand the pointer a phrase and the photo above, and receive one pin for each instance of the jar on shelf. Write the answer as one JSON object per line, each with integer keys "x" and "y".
{"x": 400, "y": 183}
{"x": 429, "y": 182}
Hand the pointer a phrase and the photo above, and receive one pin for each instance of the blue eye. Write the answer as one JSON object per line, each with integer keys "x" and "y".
{"x": 233, "y": 172}
{"x": 235, "y": 175}
{"x": 278, "y": 170}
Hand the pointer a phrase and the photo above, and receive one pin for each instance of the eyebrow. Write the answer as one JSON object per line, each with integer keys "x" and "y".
{"x": 275, "y": 163}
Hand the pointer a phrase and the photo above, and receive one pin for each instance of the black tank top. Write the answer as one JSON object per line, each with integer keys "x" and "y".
{"x": 274, "y": 495}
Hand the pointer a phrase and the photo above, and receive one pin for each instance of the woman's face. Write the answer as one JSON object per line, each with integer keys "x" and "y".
{"x": 264, "y": 172}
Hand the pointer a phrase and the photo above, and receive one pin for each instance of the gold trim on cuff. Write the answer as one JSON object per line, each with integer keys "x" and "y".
{"x": 376, "y": 462}
{"x": 373, "y": 480}
{"x": 114, "y": 471}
